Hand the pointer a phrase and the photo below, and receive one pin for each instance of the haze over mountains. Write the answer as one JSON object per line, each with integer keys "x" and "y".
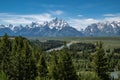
{"x": 60, "y": 28}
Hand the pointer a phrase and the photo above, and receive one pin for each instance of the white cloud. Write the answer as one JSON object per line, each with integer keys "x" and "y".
{"x": 57, "y": 12}
{"x": 81, "y": 23}
{"x": 39, "y": 17}
{"x": 16, "y": 19}
{"x": 112, "y": 19}
{"x": 23, "y": 19}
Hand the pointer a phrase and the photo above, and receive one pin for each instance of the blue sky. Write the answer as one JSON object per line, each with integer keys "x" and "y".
{"x": 78, "y": 13}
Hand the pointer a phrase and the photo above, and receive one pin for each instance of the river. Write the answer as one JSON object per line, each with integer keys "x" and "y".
{"x": 61, "y": 47}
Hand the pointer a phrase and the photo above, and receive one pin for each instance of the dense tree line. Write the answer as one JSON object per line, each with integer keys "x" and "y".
{"x": 82, "y": 46}
{"x": 46, "y": 45}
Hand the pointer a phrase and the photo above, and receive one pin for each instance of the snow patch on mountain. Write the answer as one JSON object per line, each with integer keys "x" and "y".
{"x": 103, "y": 28}
{"x": 58, "y": 24}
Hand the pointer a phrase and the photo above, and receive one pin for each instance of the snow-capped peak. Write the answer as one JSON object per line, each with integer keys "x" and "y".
{"x": 16, "y": 28}
{"x": 55, "y": 23}
{"x": 106, "y": 27}
{"x": 34, "y": 24}
{"x": 58, "y": 24}
{"x": 10, "y": 26}
{"x": 105, "y": 24}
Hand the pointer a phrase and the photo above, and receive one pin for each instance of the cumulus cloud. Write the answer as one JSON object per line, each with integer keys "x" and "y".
{"x": 16, "y": 19}
{"x": 81, "y": 23}
{"x": 23, "y": 19}
{"x": 110, "y": 19}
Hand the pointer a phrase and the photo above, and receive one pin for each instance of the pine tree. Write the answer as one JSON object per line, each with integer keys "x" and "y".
{"x": 67, "y": 71}
{"x": 42, "y": 68}
{"x": 28, "y": 65}
{"x": 53, "y": 67}
{"x": 100, "y": 62}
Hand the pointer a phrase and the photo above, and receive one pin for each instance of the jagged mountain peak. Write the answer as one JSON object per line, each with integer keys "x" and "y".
{"x": 58, "y": 24}
{"x": 101, "y": 25}
{"x": 54, "y": 23}
{"x": 103, "y": 28}
{"x": 34, "y": 24}
{"x": 10, "y": 26}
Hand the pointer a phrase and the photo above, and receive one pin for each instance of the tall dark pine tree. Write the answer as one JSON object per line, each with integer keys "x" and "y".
{"x": 42, "y": 68}
{"x": 53, "y": 67}
{"x": 28, "y": 62}
{"x": 100, "y": 62}
{"x": 67, "y": 71}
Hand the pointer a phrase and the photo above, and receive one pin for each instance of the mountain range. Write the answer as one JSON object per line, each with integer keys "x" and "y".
{"x": 60, "y": 28}
{"x": 103, "y": 29}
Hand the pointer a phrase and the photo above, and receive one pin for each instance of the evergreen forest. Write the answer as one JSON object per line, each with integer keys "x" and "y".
{"x": 24, "y": 59}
